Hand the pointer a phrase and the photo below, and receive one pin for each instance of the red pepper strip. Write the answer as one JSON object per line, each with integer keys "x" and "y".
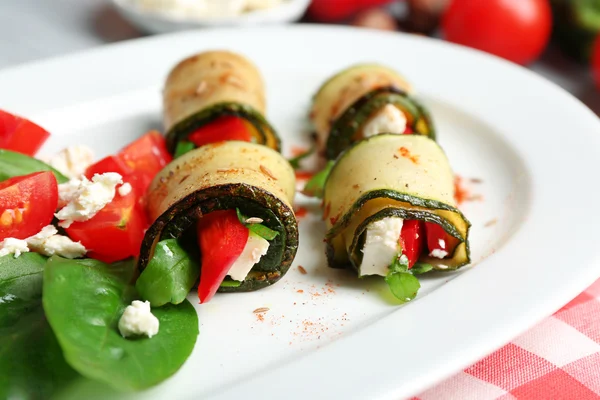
{"x": 222, "y": 238}
{"x": 412, "y": 239}
{"x": 223, "y": 128}
{"x": 408, "y": 131}
{"x": 438, "y": 239}
{"x": 21, "y": 135}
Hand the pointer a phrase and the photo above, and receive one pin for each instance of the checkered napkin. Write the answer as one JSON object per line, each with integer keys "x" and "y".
{"x": 557, "y": 359}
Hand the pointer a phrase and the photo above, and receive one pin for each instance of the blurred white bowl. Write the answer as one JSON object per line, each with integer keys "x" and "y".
{"x": 160, "y": 22}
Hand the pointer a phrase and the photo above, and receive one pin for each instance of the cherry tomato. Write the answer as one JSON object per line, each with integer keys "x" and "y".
{"x": 596, "y": 62}
{"x": 337, "y": 10}
{"x": 517, "y": 30}
{"x": 222, "y": 238}
{"x": 438, "y": 239}
{"x": 27, "y": 204}
{"x": 21, "y": 135}
{"x": 115, "y": 233}
{"x": 412, "y": 239}
{"x": 223, "y": 128}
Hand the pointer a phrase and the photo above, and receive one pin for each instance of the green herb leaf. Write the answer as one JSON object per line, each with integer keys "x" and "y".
{"x": 259, "y": 229}
{"x": 295, "y": 162}
{"x": 316, "y": 185}
{"x": 403, "y": 285}
{"x": 84, "y": 300}
{"x": 32, "y": 365}
{"x": 420, "y": 268}
{"x": 16, "y": 164}
{"x": 169, "y": 276}
{"x": 399, "y": 264}
{"x": 229, "y": 283}
{"x": 183, "y": 147}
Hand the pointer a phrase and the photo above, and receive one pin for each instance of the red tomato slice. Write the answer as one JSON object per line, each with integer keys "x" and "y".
{"x": 412, "y": 239}
{"x": 21, "y": 135}
{"x": 27, "y": 204}
{"x": 115, "y": 233}
{"x": 436, "y": 236}
{"x": 224, "y": 128}
{"x": 222, "y": 238}
{"x": 108, "y": 164}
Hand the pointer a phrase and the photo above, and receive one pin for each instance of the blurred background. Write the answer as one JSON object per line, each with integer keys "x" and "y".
{"x": 555, "y": 38}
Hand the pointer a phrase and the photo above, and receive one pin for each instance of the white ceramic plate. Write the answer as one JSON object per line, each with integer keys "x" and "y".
{"x": 162, "y": 22}
{"x": 535, "y": 148}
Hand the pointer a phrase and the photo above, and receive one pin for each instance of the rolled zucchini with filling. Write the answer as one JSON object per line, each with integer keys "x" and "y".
{"x": 395, "y": 215}
{"x": 232, "y": 201}
{"x": 215, "y": 96}
{"x": 362, "y": 101}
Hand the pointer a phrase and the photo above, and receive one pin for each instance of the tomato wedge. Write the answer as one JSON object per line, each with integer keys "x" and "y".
{"x": 224, "y": 128}
{"x": 21, "y": 135}
{"x": 438, "y": 239}
{"x": 222, "y": 238}
{"x": 27, "y": 204}
{"x": 115, "y": 233}
{"x": 412, "y": 239}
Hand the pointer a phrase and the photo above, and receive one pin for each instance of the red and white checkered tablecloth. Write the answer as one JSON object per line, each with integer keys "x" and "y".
{"x": 557, "y": 359}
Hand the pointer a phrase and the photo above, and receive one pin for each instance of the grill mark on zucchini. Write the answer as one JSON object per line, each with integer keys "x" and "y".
{"x": 181, "y": 130}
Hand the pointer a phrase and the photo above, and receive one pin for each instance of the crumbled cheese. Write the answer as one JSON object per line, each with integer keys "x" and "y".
{"x": 387, "y": 120}
{"x": 84, "y": 198}
{"x": 138, "y": 320}
{"x": 13, "y": 246}
{"x": 72, "y": 161}
{"x": 206, "y": 8}
{"x": 255, "y": 248}
{"x": 381, "y": 246}
{"x": 125, "y": 189}
{"x": 437, "y": 253}
{"x": 49, "y": 243}
{"x": 442, "y": 243}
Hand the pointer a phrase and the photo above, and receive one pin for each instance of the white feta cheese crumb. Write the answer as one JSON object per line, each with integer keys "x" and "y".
{"x": 13, "y": 246}
{"x": 387, "y": 120}
{"x": 437, "y": 253}
{"x": 255, "y": 248}
{"x": 72, "y": 161}
{"x": 138, "y": 320}
{"x": 125, "y": 189}
{"x": 84, "y": 198}
{"x": 381, "y": 246}
{"x": 442, "y": 243}
{"x": 49, "y": 243}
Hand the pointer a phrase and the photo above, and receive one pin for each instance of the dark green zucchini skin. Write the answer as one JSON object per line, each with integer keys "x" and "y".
{"x": 345, "y": 127}
{"x": 182, "y": 129}
{"x": 251, "y": 200}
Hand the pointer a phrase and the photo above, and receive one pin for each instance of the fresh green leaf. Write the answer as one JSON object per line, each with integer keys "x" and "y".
{"x": 183, "y": 147}
{"x": 295, "y": 162}
{"x": 316, "y": 185}
{"x": 169, "y": 276}
{"x": 399, "y": 264}
{"x": 259, "y": 229}
{"x": 420, "y": 268}
{"x": 84, "y": 300}
{"x": 32, "y": 365}
{"x": 16, "y": 164}
{"x": 403, "y": 285}
{"x": 229, "y": 283}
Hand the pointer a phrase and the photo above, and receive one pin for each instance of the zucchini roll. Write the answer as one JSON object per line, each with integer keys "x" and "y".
{"x": 396, "y": 213}
{"x": 232, "y": 200}
{"x": 362, "y": 101}
{"x": 215, "y": 96}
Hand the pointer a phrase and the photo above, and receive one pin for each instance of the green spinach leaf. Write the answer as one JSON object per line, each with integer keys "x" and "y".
{"x": 420, "y": 268}
{"x": 259, "y": 229}
{"x": 403, "y": 284}
{"x": 169, "y": 276}
{"x": 316, "y": 185}
{"x": 84, "y": 300}
{"x": 295, "y": 161}
{"x": 32, "y": 365}
{"x": 17, "y": 164}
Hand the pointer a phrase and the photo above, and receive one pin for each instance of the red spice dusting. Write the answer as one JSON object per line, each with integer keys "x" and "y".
{"x": 460, "y": 192}
{"x": 300, "y": 291}
{"x": 300, "y": 212}
{"x": 355, "y": 186}
{"x": 304, "y": 175}
{"x": 302, "y": 270}
{"x": 404, "y": 152}
{"x": 267, "y": 172}
{"x": 333, "y": 220}
{"x": 327, "y": 211}
{"x": 490, "y": 223}
{"x": 260, "y": 317}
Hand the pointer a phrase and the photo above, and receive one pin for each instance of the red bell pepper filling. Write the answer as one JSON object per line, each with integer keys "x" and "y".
{"x": 228, "y": 127}
{"x": 416, "y": 234}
